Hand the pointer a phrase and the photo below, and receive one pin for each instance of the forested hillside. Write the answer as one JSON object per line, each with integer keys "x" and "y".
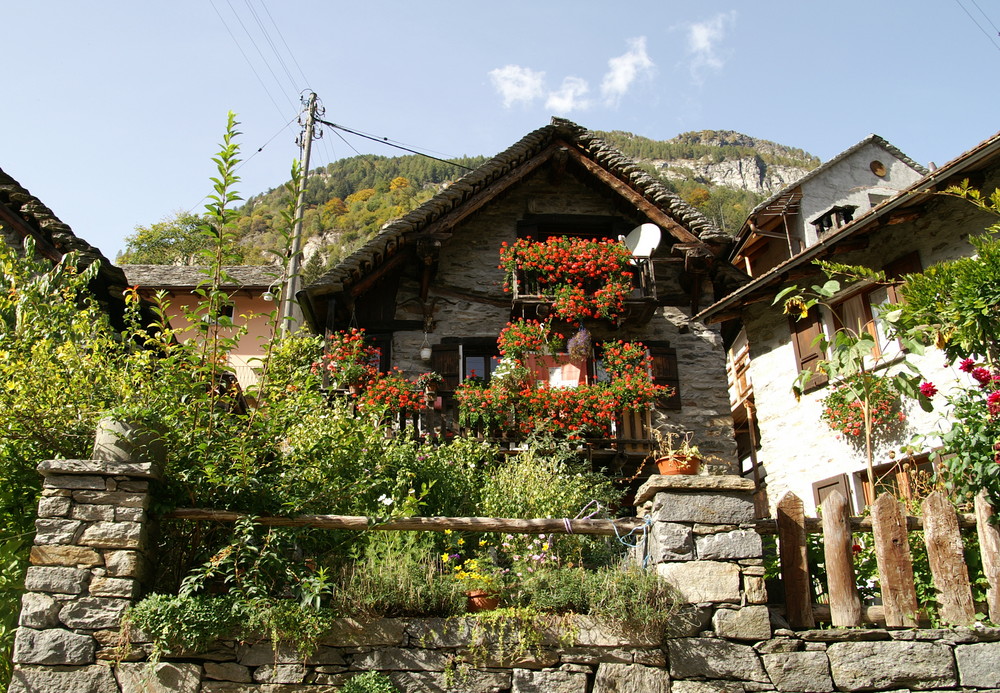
{"x": 722, "y": 173}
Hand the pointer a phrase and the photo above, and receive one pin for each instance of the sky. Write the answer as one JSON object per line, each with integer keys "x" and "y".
{"x": 112, "y": 110}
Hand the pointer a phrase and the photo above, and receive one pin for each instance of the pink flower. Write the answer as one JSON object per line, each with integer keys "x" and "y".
{"x": 993, "y": 403}
{"x": 928, "y": 389}
{"x": 982, "y": 375}
{"x": 967, "y": 365}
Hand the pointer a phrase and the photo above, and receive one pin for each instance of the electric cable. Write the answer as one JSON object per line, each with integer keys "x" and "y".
{"x": 386, "y": 141}
{"x": 978, "y": 25}
{"x": 253, "y": 43}
{"x": 270, "y": 43}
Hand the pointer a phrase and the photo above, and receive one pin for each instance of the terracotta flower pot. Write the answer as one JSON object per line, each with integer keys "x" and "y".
{"x": 480, "y": 600}
{"x": 678, "y": 464}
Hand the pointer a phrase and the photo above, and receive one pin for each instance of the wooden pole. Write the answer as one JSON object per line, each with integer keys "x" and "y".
{"x": 895, "y": 566}
{"x": 289, "y": 309}
{"x": 989, "y": 549}
{"x": 845, "y": 604}
{"x": 794, "y": 565}
{"x": 619, "y": 527}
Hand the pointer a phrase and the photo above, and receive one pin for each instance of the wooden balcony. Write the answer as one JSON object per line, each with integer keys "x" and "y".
{"x": 530, "y": 302}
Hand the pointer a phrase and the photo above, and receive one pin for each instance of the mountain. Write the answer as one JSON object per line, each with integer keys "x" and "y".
{"x": 723, "y": 173}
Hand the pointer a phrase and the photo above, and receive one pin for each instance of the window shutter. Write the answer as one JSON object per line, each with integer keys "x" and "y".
{"x": 821, "y": 489}
{"x": 808, "y": 354}
{"x": 908, "y": 264}
{"x": 446, "y": 360}
{"x": 665, "y": 372}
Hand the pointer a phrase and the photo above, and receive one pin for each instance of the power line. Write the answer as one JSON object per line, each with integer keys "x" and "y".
{"x": 284, "y": 42}
{"x": 986, "y": 16}
{"x": 386, "y": 141}
{"x": 250, "y": 64}
{"x": 976, "y": 22}
{"x": 267, "y": 37}
{"x": 253, "y": 42}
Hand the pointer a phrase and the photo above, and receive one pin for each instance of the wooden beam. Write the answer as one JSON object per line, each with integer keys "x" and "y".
{"x": 555, "y": 525}
{"x": 648, "y": 208}
{"x": 44, "y": 248}
{"x": 378, "y": 273}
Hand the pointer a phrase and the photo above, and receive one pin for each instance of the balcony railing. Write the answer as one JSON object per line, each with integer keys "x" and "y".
{"x": 531, "y": 301}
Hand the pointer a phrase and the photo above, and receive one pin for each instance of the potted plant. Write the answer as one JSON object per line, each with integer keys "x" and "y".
{"x": 430, "y": 381}
{"x": 481, "y": 581}
{"x": 671, "y": 458}
{"x": 350, "y": 362}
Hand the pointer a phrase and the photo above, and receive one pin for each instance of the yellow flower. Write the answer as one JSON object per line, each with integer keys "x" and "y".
{"x": 447, "y": 531}
{"x": 445, "y": 558}
{"x": 461, "y": 542}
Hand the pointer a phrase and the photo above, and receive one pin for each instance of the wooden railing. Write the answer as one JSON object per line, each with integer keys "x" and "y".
{"x": 942, "y": 528}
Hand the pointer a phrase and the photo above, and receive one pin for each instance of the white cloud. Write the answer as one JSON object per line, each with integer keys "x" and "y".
{"x": 516, "y": 83}
{"x": 703, "y": 41}
{"x": 569, "y": 97}
{"x": 624, "y": 70}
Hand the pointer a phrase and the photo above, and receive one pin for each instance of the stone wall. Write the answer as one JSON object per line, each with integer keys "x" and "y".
{"x": 88, "y": 564}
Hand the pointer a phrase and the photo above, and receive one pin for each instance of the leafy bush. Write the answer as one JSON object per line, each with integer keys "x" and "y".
{"x": 369, "y": 682}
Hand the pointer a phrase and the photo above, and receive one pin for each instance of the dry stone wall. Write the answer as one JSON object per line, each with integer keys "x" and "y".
{"x": 89, "y": 561}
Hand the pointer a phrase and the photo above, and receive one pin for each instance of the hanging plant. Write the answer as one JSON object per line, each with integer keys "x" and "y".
{"x": 350, "y": 361}
{"x": 391, "y": 393}
{"x": 578, "y": 345}
{"x": 844, "y": 407}
{"x": 522, "y": 337}
{"x": 586, "y": 278}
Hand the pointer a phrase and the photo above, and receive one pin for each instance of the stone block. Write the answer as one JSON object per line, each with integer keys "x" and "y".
{"x": 670, "y": 541}
{"x": 280, "y": 673}
{"x": 94, "y": 466}
{"x": 714, "y": 658}
{"x": 755, "y": 589}
{"x": 799, "y": 672}
{"x": 727, "y": 546}
{"x": 163, "y": 677}
{"x": 401, "y": 659}
{"x": 53, "y": 646}
{"x": 38, "y": 611}
{"x": 227, "y": 671}
{"x": 95, "y": 483}
{"x": 93, "y": 613}
{"x": 882, "y": 665}
{"x": 96, "y": 678}
{"x": 347, "y": 632}
{"x": 114, "y": 587}
{"x": 472, "y": 681}
{"x": 125, "y": 564}
{"x": 65, "y": 555}
{"x": 130, "y": 515}
{"x": 653, "y": 658}
{"x": 113, "y": 535}
{"x": 693, "y": 485}
{"x": 592, "y": 632}
{"x": 507, "y": 659}
{"x": 93, "y": 513}
{"x": 703, "y": 581}
{"x": 436, "y": 633}
{"x": 631, "y": 678}
{"x": 707, "y": 687}
{"x": 261, "y": 653}
{"x": 688, "y": 620}
{"x": 596, "y": 655}
{"x": 978, "y": 664}
{"x": 722, "y": 508}
{"x": 56, "y": 531}
{"x": 133, "y": 486}
{"x": 525, "y": 681}
{"x": 233, "y": 687}
{"x": 56, "y": 579}
{"x": 54, "y": 506}
{"x": 748, "y": 623}
{"x": 778, "y": 645}
{"x": 119, "y": 499}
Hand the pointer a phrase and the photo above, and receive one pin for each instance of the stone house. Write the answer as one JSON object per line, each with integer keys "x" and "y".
{"x": 251, "y": 295}
{"x": 429, "y": 282}
{"x": 22, "y": 216}
{"x": 790, "y": 447}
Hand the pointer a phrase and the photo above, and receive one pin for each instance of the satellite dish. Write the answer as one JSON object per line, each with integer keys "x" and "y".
{"x": 642, "y": 240}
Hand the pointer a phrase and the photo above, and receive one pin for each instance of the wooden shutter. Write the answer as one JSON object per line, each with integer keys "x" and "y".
{"x": 446, "y": 360}
{"x": 901, "y": 266}
{"x": 821, "y": 489}
{"x": 807, "y": 352}
{"x": 665, "y": 372}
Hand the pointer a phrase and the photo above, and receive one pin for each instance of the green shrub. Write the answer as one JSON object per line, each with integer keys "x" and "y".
{"x": 369, "y": 682}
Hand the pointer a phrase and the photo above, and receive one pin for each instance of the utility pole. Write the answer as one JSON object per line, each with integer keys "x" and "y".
{"x": 290, "y": 311}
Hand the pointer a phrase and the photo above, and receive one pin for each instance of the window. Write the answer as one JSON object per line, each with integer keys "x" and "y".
{"x": 906, "y": 479}
{"x": 834, "y": 219}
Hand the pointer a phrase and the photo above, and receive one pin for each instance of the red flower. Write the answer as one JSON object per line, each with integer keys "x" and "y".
{"x": 967, "y": 365}
{"x": 928, "y": 389}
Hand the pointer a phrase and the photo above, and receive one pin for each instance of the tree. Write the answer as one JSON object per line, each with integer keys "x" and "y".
{"x": 173, "y": 241}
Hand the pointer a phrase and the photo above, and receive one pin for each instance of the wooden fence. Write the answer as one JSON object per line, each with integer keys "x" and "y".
{"x": 889, "y": 526}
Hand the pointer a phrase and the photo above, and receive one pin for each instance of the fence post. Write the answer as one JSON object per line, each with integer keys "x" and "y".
{"x": 895, "y": 566}
{"x": 989, "y": 549}
{"x": 845, "y": 604}
{"x": 794, "y": 565}
{"x": 947, "y": 561}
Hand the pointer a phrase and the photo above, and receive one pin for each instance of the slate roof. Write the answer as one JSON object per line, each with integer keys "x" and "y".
{"x": 189, "y": 276}
{"x": 22, "y": 215}
{"x": 983, "y": 154}
{"x": 622, "y": 167}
